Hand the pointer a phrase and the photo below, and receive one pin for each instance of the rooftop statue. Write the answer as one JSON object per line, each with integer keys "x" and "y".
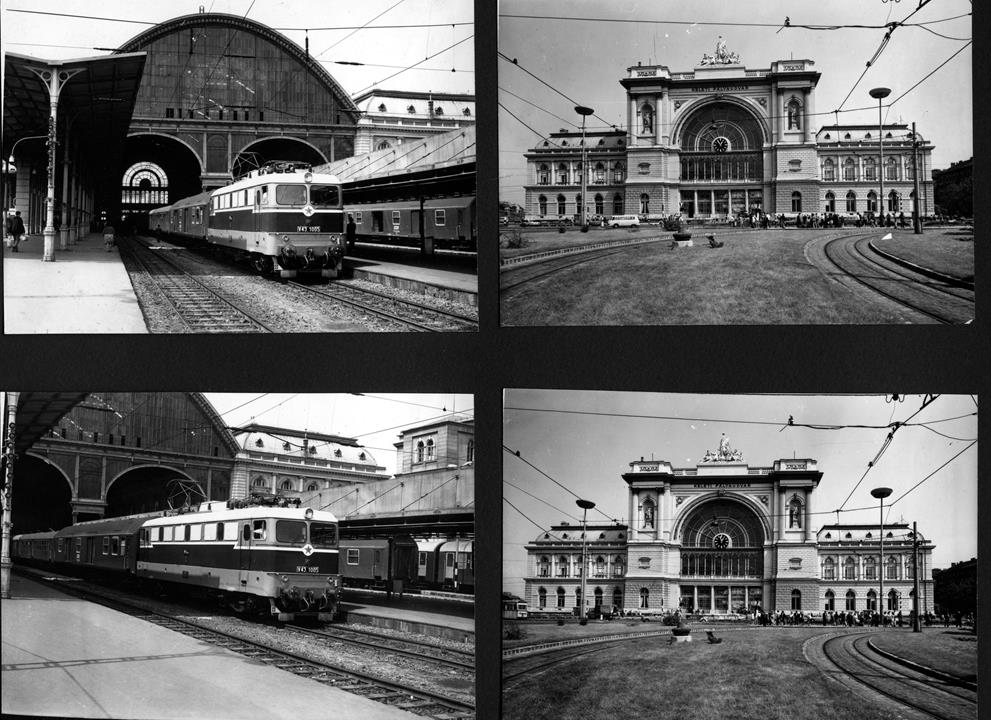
{"x": 724, "y": 454}
{"x": 721, "y": 56}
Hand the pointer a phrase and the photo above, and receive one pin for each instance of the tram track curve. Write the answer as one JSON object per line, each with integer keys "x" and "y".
{"x": 850, "y": 260}
{"x": 851, "y": 660}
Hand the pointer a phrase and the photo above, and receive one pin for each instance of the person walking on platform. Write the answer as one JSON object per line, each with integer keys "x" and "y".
{"x": 14, "y": 228}
{"x": 349, "y": 234}
{"x": 108, "y": 236}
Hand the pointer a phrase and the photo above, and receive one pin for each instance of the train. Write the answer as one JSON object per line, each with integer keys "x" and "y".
{"x": 447, "y": 223}
{"x": 400, "y": 563}
{"x": 283, "y": 218}
{"x": 261, "y": 560}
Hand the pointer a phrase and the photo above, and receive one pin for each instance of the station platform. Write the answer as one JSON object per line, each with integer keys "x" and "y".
{"x": 410, "y": 614}
{"x": 86, "y": 290}
{"x": 449, "y": 284}
{"x": 66, "y": 657}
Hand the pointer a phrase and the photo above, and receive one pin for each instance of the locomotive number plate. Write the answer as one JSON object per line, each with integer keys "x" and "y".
{"x": 305, "y": 569}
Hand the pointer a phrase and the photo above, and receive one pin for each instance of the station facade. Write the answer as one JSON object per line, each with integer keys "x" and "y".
{"x": 722, "y": 140}
{"x": 391, "y": 118}
{"x": 726, "y": 537}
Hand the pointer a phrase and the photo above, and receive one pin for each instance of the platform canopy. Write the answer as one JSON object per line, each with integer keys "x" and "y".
{"x": 98, "y": 100}
{"x": 37, "y": 412}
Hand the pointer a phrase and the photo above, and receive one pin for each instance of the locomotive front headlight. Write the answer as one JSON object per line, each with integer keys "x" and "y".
{"x": 308, "y": 513}
{"x": 307, "y": 177}
{"x": 285, "y": 579}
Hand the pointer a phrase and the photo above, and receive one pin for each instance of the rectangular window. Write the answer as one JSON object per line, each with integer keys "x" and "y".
{"x": 259, "y": 529}
{"x": 115, "y": 545}
{"x": 210, "y": 531}
{"x": 422, "y": 559}
{"x": 450, "y": 559}
{"x": 325, "y": 196}
{"x": 396, "y": 216}
{"x": 106, "y": 545}
{"x": 705, "y": 598}
{"x": 353, "y": 554}
{"x": 290, "y": 531}
{"x": 170, "y": 112}
{"x": 440, "y": 218}
{"x": 61, "y": 545}
{"x": 851, "y": 602}
{"x": 291, "y": 195}
{"x": 357, "y": 217}
{"x": 197, "y": 532}
{"x": 168, "y": 532}
{"x": 323, "y": 535}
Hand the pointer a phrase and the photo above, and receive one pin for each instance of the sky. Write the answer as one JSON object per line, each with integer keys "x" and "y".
{"x": 383, "y": 51}
{"x": 588, "y": 453}
{"x": 375, "y": 419}
{"x": 584, "y": 60}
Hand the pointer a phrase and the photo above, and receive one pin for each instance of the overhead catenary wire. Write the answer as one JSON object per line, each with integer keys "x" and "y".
{"x": 410, "y": 67}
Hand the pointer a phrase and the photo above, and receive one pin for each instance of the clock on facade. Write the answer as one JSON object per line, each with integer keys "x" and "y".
{"x": 720, "y": 145}
{"x": 721, "y": 541}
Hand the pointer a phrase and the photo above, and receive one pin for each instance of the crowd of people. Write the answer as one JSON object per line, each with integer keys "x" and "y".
{"x": 862, "y": 618}
{"x": 758, "y": 219}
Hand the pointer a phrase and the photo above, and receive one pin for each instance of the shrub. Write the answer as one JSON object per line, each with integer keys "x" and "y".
{"x": 514, "y": 239}
{"x": 514, "y": 631}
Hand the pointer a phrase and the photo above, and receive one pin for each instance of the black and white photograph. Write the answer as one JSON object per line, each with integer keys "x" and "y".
{"x": 270, "y": 166}
{"x": 691, "y": 164}
{"x": 228, "y": 555}
{"x": 703, "y": 556}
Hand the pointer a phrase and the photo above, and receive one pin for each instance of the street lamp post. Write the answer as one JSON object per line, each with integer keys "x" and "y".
{"x": 584, "y": 112}
{"x": 585, "y": 505}
{"x": 880, "y": 93}
{"x": 917, "y": 205}
{"x": 881, "y": 493}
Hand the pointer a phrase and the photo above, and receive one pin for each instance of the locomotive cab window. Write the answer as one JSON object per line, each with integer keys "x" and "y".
{"x": 353, "y": 556}
{"x": 325, "y": 196}
{"x": 290, "y": 531}
{"x": 259, "y": 528}
{"x": 440, "y": 217}
{"x": 323, "y": 535}
{"x": 292, "y": 195}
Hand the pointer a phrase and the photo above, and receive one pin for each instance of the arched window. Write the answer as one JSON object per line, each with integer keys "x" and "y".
{"x": 644, "y": 597}
{"x": 644, "y": 203}
{"x": 541, "y": 598}
{"x": 617, "y": 566}
{"x": 259, "y": 482}
{"x": 796, "y": 599}
{"x": 872, "y": 202}
{"x": 542, "y": 204}
{"x": 285, "y": 485}
{"x": 562, "y": 174}
{"x": 600, "y": 205}
{"x": 830, "y": 600}
{"x": 796, "y": 201}
{"x": 617, "y": 597}
{"x": 829, "y": 170}
{"x": 543, "y": 174}
{"x": 544, "y": 566}
{"x": 420, "y": 448}
{"x": 850, "y": 170}
{"x": 578, "y": 597}
{"x": 560, "y": 597}
{"x": 870, "y": 169}
{"x": 466, "y": 112}
{"x": 598, "y": 597}
{"x": 430, "y": 450}
{"x": 829, "y": 569}
{"x": 892, "y": 601}
{"x": 891, "y": 568}
{"x": 617, "y": 204}
{"x": 618, "y": 172}
{"x": 892, "y": 168}
{"x": 851, "y": 202}
{"x": 562, "y": 566}
{"x": 646, "y": 119}
{"x": 144, "y": 184}
{"x": 794, "y": 110}
{"x": 870, "y": 568}
{"x": 872, "y": 600}
{"x": 600, "y": 566}
{"x": 411, "y": 109}
{"x": 384, "y": 145}
{"x": 851, "y": 600}
{"x": 381, "y": 107}
{"x": 599, "y": 176}
{"x": 561, "y": 205}
{"x": 850, "y": 569}
{"x": 438, "y": 111}
{"x": 312, "y": 487}
{"x": 470, "y": 451}
{"x": 830, "y": 202}
{"x": 894, "y": 202}
{"x": 578, "y": 203}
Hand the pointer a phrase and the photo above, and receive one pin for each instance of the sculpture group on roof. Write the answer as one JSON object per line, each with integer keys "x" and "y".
{"x": 721, "y": 56}
{"x": 724, "y": 454}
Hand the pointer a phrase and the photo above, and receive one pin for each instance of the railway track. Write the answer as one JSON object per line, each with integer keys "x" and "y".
{"x": 200, "y": 308}
{"x": 935, "y": 299}
{"x": 422, "y": 651}
{"x": 414, "y": 315}
{"x": 852, "y": 660}
{"x": 519, "y": 276}
{"x": 412, "y": 699}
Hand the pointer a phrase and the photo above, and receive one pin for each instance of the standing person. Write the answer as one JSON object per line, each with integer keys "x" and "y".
{"x": 349, "y": 234}
{"x": 16, "y": 231}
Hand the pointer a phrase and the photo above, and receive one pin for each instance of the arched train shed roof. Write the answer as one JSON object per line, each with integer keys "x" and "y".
{"x": 289, "y": 47}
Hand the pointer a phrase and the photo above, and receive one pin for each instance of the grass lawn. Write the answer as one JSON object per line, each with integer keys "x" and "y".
{"x": 756, "y": 278}
{"x": 945, "y": 649}
{"x": 539, "y": 632}
{"x": 755, "y": 673}
{"x": 949, "y": 251}
{"x": 538, "y": 240}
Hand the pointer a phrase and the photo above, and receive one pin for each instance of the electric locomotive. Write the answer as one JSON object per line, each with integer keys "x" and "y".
{"x": 257, "y": 559}
{"x": 283, "y": 218}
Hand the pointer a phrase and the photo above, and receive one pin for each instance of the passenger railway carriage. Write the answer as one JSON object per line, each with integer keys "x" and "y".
{"x": 283, "y": 218}
{"x": 378, "y": 562}
{"x": 275, "y": 561}
{"x": 443, "y": 223}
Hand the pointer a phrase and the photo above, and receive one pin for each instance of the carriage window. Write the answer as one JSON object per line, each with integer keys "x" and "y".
{"x": 357, "y": 217}
{"x": 325, "y": 195}
{"x": 187, "y": 533}
{"x": 61, "y": 546}
{"x": 395, "y": 217}
{"x": 353, "y": 556}
{"x": 197, "y": 532}
{"x": 290, "y": 531}
{"x": 229, "y": 530}
{"x": 259, "y": 529}
{"x": 323, "y": 535}
{"x": 167, "y": 533}
{"x": 422, "y": 558}
{"x": 115, "y": 545}
{"x": 440, "y": 217}
{"x": 106, "y": 546}
{"x": 290, "y": 194}
{"x": 450, "y": 559}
